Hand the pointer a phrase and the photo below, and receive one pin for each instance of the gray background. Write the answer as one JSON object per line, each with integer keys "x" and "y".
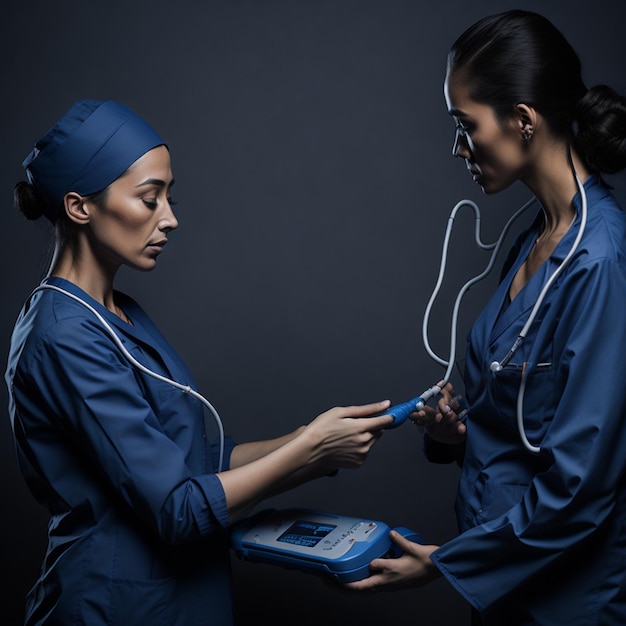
{"x": 312, "y": 152}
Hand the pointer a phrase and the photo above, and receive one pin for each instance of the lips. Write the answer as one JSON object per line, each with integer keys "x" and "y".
{"x": 474, "y": 173}
{"x": 157, "y": 246}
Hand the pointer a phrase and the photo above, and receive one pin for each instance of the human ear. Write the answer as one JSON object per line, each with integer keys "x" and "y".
{"x": 76, "y": 207}
{"x": 526, "y": 120}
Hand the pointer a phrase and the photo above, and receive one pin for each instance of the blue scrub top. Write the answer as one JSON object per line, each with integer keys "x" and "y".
{"x": 543, "y": 537}
{"x": 123, "y": 463}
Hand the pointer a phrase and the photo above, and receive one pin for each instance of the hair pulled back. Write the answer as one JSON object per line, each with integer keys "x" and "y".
{"x": 521, "y": 57}
{"x": 28, "y": 201}
{"x": 32, "y": 205}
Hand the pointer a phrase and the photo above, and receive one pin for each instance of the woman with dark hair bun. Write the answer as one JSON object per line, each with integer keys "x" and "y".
{"x": 541, "y": 504}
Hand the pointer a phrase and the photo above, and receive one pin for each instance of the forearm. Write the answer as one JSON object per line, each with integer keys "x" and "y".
{"x": 245, "y": 453}
{"x": 334, "y": 439}
{"x": 267, "y": 468}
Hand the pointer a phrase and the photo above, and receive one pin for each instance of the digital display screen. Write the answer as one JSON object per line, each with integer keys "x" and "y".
{"x": 307, "y": 534}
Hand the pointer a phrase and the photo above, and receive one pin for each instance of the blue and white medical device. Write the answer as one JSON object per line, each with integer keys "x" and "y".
{"x": 314, "y": 542}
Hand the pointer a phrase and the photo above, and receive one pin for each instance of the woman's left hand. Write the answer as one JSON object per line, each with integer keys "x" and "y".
{"x": 412, "y": 569}
{"x": 443, "y": 423}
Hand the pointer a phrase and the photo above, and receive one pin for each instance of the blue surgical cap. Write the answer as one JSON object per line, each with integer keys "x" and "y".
{"x": 92, "y": 145}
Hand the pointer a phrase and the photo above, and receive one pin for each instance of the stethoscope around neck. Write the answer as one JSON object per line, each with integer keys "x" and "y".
{"x": 497, "y": 366}
{"x": 186, "y": 389}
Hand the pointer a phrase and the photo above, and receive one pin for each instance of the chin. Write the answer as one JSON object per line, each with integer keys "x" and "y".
{"x": 146, "y": 266}
{"x": 493, "y": 186}
{"x": 489, "y": 190}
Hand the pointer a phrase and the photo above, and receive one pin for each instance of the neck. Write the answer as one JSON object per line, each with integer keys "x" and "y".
{"x": 87, "y": 274}
{"x": 553, "y": 183}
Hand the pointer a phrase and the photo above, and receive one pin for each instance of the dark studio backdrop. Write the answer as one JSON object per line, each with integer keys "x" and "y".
{"x": 312, "y": 154}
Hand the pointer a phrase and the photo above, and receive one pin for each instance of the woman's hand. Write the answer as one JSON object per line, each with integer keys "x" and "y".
{"x": 445, "y": 422}
{"x": 412, "y": 569}
{"x": 345, "y": 435}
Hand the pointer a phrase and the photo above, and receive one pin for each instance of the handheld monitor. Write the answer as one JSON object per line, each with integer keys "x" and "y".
{"x": 315, "y": 542}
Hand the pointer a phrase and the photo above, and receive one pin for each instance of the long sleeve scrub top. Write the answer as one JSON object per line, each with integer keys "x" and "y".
{"x": 123, "y": 463}
{"x": 543, "y": 536}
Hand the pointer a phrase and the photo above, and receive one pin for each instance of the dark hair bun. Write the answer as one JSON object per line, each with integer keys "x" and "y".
{"x": 601, "y": 134}
{"x": 28, "y": 201}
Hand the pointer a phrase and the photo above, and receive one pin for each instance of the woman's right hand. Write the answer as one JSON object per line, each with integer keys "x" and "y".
{"x": 344, "y": 436}
{"x": 444, "y": 422}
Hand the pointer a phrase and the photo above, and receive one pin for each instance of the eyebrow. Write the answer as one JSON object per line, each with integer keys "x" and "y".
{"x": 154, "y": 181}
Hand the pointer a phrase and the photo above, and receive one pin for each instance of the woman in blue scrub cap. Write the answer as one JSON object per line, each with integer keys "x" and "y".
{"x": 541, "y": 508}
{"x": 140, "y": 499}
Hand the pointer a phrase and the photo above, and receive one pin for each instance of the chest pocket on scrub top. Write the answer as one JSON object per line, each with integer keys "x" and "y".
{"x": 539, "y": 396}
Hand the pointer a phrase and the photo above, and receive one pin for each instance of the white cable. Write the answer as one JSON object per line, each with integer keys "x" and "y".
{"x": 533, "y": 313}
{"x": 553, "y": 277}
{"x": 495, "y": 246}
{"x": 118, "y": 342}
{"x": 520, "y": 416}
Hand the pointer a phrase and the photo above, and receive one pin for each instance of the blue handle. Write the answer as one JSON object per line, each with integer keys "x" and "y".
{"x": 402, "y": 411}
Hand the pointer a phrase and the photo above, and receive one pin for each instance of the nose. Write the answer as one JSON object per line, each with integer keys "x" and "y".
{"x": 168, "y": 221}
{"x": 460, "y": 147}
